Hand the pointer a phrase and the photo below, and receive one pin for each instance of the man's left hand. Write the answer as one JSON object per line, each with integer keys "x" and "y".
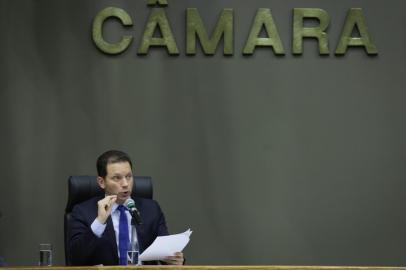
{"x": 176, "y": 259}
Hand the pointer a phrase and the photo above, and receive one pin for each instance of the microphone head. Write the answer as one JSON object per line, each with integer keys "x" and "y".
{"x": 129, "y": 203}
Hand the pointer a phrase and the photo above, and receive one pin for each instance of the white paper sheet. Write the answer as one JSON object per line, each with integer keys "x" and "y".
{"x": 164, "y": 246}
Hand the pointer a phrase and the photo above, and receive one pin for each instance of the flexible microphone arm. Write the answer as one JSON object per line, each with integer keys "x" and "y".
{"x": 136, "y": 219}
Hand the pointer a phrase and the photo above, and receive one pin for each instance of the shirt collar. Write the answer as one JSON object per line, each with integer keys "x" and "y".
{"x": 114, "y": 207}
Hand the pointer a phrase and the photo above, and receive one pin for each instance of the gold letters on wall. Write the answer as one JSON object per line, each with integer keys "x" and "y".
{"x": 104, "y": 46}
{"x": 264, "y": 19}
{"x": 300, "y": 32}
{"x": 355, "y": 18}
{"x": 224, "y": 31}
{"x": 195, "y": 28}
{"x": 157, "y": 19}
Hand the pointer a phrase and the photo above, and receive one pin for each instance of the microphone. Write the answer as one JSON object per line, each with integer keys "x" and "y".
{"x": 130, "y": 204}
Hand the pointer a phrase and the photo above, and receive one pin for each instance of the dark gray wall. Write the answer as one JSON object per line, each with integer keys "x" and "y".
{"x": 270, "y": 160}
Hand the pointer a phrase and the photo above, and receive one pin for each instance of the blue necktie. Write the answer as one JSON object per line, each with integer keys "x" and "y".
{"x": 123, "y": 237}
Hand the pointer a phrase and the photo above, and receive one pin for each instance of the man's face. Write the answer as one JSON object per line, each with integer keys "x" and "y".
{"x": 118, "y": 181}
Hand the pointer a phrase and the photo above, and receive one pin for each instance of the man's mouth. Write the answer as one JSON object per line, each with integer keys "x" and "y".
{"x": 125, "y": 193}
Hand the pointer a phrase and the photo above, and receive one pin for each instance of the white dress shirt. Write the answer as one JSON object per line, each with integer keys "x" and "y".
{"x": 98, "y": 228}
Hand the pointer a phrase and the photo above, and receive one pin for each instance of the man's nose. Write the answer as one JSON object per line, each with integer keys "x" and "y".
{"x": 124, "y": 182}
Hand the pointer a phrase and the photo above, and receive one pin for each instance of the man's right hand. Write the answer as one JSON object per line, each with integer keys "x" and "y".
{"x": 104, "y": 208}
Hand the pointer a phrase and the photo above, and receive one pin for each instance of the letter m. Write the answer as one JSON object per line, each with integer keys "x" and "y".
{"x": 195, "y": 28}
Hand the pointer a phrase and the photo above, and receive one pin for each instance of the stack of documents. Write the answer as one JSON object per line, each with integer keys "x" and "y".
{"x": 165, "y": 246}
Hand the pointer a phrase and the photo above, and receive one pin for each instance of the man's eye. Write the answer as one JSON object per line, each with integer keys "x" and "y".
{"x": 116, "y": 178}
{"x": 128, "y": 177}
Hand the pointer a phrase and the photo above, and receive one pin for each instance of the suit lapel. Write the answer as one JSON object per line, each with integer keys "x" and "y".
{"x": 111, "y": 235}
{"x": 139, "y": 228}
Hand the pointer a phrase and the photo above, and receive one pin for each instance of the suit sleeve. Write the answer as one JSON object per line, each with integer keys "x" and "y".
{"x": 82, "y": 240}
{"x": 161, "y": 229}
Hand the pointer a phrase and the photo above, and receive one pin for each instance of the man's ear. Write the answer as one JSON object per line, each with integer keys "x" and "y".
{"x": 101, "y": 182}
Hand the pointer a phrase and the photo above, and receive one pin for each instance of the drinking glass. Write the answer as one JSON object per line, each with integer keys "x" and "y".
{"x": 45, "y": 255}
{"x": 132, "y": 257}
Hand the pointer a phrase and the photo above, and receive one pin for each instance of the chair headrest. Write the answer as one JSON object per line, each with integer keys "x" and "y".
{"x": 84, "y": 187}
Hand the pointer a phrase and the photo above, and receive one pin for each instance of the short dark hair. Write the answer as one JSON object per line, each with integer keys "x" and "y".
{"x": 108, "y": 157}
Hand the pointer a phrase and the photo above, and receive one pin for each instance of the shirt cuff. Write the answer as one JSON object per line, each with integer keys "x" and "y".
{"x": 98, "y": 228}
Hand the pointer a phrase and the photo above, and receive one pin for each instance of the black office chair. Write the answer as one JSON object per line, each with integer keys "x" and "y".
{"x": 82, "y": 188}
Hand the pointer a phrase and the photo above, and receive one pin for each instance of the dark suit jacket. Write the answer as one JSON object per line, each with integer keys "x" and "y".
{"x": 2, "y": 262}
{"x": 85, "y": 248}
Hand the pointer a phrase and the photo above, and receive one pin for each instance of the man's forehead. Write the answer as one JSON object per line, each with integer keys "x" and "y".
{"x": 119, "y": 167}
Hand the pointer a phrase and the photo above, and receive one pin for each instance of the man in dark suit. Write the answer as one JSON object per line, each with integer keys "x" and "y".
{"x": 94, "y": 227}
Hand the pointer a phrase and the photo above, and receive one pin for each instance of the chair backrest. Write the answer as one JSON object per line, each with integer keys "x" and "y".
{"x": 82, "y": 188}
